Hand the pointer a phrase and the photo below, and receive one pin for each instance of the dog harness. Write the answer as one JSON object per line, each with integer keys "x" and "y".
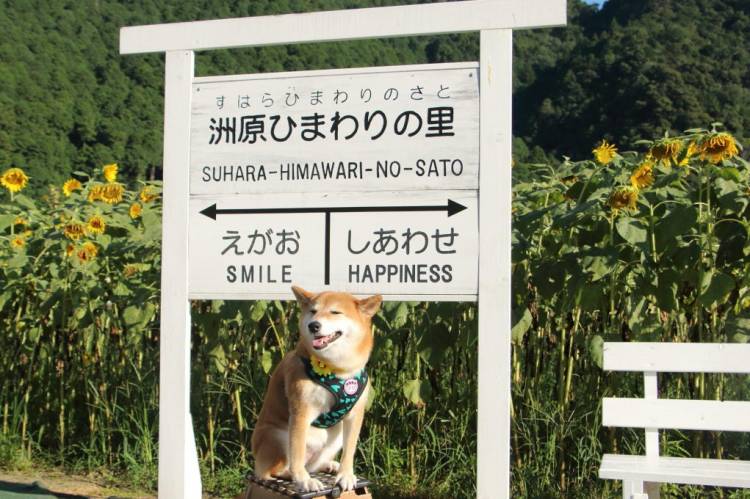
{"x": 345, "y": 392}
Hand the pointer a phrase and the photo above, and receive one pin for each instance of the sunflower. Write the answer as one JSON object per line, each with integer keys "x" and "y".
{"x": 20, "y": 221}
{"x": 111, "y": 193}
{"x": 95, "y": 193}
{"x": 110, "y": 172}
{"x": 74, "y": 231}
{"x": 605, "y": 152}
{"x": 147, "y": 195}
{"x": 71, "y": 185}
{"x": 87, "y": 252}
{"x": 643, "y": 176}
{"x": 623, "y": 197}
{"x": 135, "y": 210}
{"x": 96, "y": 225}
{"x": 17, "y": 242}
{"x": 718, "y": 146}
{"x": 666, "y": 151}
{"x": 320, "y": 367}
{"x": 69, "y": 250}
{"x": 14, "y": 179}
{"x": 692, "y": 148}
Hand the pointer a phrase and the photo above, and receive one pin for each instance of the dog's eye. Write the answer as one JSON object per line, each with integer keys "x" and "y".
{"x": 313, "y": 311}
{"x": 335, "y": 312}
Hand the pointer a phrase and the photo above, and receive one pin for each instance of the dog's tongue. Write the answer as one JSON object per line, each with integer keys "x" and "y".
{"x": 320, "y": 341}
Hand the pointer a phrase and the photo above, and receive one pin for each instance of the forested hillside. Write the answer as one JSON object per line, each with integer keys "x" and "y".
{"x": 69, "y": 101}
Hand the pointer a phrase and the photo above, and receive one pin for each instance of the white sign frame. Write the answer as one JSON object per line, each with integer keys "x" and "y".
{"x": 179, "y": 474}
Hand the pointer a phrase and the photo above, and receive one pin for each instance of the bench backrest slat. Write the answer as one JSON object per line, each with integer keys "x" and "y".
{"x": 677, "y": 357}
{"x": 708, "y": 415}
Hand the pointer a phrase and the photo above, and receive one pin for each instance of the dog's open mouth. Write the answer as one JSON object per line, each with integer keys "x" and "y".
{"x": 320, "y": 341}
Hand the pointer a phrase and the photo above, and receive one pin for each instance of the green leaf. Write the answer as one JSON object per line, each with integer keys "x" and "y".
{"x": 596, "y": 350}
{"x": 131, "y": 316}
{"x": 715, "y": 288}
{"x": 417, "y": 392}
{"x": 219, "y": 357}
{"x": 400, "y": 316}
{"x": 266, "y": 361}
{"x": 632, "y": 230}
{"x": 25, "y": 202}
{"x": 521, "y": 326}
{"x": 258, "y": 310}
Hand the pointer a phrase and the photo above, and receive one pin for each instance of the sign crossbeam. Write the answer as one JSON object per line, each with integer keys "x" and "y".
{"x": 351, "y": 24}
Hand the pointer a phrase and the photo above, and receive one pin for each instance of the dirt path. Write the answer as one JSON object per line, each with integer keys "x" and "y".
{"x": 52, "y": 483}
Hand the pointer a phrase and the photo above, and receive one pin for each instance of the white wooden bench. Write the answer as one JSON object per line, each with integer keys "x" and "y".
{"x": 641, "y": 475}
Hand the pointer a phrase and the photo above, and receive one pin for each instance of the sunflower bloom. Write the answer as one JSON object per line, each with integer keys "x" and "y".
{"x": 95, "y": 193}
{"x": 718, "y": 147}
{"x": 96, "y": 225}
{"x": 147, "y": 194}
{"x": 71, "y": 185}
{"x": 605, "y": 153}
{"x": 17, "y": 242}
{"x": 623, "y": 197}
{"x": 135, "y": 210}
{"x": 69, "y": 250}
{"x": 320, "y": 367}
{"x": 14, "y": 179}
{"x": 74, "y": 231}
{"x": 691, "y": 150}
{"x": 110, "y": 172}
{"x": 666, "y": 151}
{"x": 87, "y": 252}
{"x": 20, "y": 221}
{"x": 643, "y": 176}
{"x": 112, "y": 193}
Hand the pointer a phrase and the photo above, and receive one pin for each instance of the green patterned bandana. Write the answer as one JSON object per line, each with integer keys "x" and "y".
{"x": 345, "y": 392}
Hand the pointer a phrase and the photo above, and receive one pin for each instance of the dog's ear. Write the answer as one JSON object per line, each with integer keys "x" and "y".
{"x": 303, "y": 297}
{"x": 369, "y": 306}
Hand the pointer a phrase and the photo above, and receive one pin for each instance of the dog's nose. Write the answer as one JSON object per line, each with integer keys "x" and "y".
{"x": 314, "y": 327}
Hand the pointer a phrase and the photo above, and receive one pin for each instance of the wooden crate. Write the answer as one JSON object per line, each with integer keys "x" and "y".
{"x": 277, "y": 488}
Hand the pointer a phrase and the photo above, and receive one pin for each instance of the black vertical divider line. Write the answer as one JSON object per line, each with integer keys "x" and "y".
{"x": 328, "y": 249}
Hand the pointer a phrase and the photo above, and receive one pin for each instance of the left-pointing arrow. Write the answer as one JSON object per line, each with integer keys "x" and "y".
{"x": 450, "y": 208}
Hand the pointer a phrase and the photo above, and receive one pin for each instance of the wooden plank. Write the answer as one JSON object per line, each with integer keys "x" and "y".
{"x": 292, "y": 241}
{"x": 709, "y": 415}
{"x": 493, "y": 432}
{"x": 425, "y": 139}
{"x": 179, "y": 475}
{"x": 651, "y": 392}
{"x": 352, "y": 24}
{"x": 677, "y": 357}
{"x": 289, "y": 296}
{"x": 692, "y": 471}
{"x": 411, "y": 68}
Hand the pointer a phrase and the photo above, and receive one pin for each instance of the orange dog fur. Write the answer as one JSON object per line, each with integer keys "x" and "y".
{"x": 337, "y": 329}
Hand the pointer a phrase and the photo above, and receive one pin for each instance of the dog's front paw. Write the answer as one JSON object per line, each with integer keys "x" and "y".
{"x": 307, "y": 483}
{"x": 332, "y": 467}
{"x": 347, "y": 481}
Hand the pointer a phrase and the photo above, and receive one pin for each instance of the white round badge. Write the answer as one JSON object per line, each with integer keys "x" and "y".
{"x": 351, "y": 386}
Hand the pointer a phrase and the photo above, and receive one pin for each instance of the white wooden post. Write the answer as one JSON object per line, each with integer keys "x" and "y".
{"x": 179, "y": 475}
{"x": 493, "y": 431}
{"x": 651, "y": 392}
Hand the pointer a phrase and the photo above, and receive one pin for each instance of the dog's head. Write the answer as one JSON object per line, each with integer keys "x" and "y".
{"x": 337, "y": 327}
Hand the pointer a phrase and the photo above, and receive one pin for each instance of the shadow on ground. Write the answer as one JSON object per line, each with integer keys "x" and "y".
{"x": 36, "y": 490}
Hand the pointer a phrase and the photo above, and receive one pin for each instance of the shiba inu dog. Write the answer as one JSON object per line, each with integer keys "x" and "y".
{"x": 316, "y": 397}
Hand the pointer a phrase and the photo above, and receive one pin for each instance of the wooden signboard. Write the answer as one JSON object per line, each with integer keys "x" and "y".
{"x": 370, "y": 180}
